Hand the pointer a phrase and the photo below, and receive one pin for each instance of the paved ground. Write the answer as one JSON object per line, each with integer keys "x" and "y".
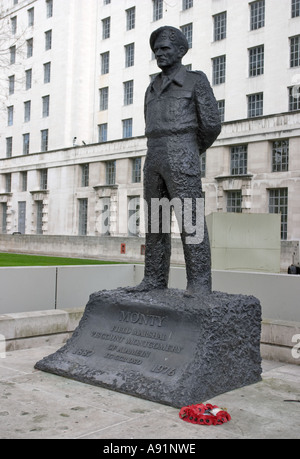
{"x": 37, "y": 405}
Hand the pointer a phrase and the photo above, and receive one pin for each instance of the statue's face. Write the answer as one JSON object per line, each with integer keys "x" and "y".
{"x": 167, "y": 53}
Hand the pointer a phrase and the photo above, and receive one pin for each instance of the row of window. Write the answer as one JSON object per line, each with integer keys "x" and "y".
{"x": 127, "y": 130}
{"x": 278, "y": 204}
{"x": 256, "y": 61}
{"x": 43, "y": 181}
{"x": 110, "y": 172}
{"x": 29, "y": 47}
{"x": 255, "y": 104}
{"x": 26, "y": 143}
{"x": 110, "y": 168}
{"x": 257, "y": 18}
{"x": 28, "y": 78}
{"x": 27, "y": 110}
{"x": 30, "y": 16}
{"x": 279, "y": 161}
{"x": 39, "y": 211}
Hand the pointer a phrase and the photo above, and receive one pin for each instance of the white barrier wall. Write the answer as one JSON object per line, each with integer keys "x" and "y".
{"x": 66, "y": 287}
{"x": 27, "y": 289}
{"x": 43, "y": 288}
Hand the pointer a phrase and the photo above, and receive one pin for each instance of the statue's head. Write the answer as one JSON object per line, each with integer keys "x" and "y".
{"x": 169, "y": 46}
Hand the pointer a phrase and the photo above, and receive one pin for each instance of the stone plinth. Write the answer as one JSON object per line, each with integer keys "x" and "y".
{"x": 162, "y": 346}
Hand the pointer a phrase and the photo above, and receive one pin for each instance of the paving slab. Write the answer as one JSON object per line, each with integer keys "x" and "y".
{"x": 38, "y": 405}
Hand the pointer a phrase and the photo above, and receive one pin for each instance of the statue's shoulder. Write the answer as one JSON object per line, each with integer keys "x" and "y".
{"x": 153, "y": 81}
{"x": 197, "y": 75}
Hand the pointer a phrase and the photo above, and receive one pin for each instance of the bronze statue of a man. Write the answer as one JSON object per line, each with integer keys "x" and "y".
{"x": 182, "y": 121}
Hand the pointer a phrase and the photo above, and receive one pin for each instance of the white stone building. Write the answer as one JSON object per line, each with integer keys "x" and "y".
{"x": 73, "y": 77}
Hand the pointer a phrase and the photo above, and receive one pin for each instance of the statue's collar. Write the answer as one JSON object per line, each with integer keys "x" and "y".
{"x": 177, "y": 77}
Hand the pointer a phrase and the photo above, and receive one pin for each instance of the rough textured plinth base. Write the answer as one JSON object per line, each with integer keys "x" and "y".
{"x": 162, "y": 346}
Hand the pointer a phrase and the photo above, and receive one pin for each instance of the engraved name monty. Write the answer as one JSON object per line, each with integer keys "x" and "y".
{"x": 142, "y": 319}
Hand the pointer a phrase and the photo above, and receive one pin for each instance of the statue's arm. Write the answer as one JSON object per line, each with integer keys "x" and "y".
{"x": 207, "y": 111}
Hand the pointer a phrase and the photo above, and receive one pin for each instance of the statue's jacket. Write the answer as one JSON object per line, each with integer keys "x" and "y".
{"x": 184, "y": 107}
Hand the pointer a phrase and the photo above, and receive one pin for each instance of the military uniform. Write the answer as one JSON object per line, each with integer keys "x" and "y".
{"x": 182, "y": 120}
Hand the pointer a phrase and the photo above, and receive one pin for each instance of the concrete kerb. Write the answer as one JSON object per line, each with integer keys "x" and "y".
{"x": 31, "y": 329}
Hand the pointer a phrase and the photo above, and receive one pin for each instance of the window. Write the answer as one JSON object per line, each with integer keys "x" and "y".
{"x": 12, "y": 54}
{"x": 30, "y": 17}
{"x": 295, "y": 51}
{"x": 44, "y": 140}
{"x": 186, "y": 4}
{"x": 10, "y": 115}
{"x": 221, "y": 107}
{"x": 29, "y": 45}
{"x": 7, "y": 183}
{"x": 22, "y": 217}
{"x": 106, "y": 2}
{"x": 26, "y": 141}
{"x": 47, "y": 72}
{"x": 278, "y": 204}
{"x": 24, "y": 181}
{"x": 46, "y": 106}
{"x": 110, "y": 172}
{"x": 105, "y": 28}
{"x": 134, "y": 216}
{"x": 13, "y": 23}
{"x": 255, "y": 105}
{"x": 129, "y": 55}
{"x": 256, "y": 61}
{"x": 234, "y": 201}
{"x": 257, "y": 14}
{"x": 136, "y": 170}
{"x": 85, "y": 169}
{"x": 3, "y": 221}
{"x": 28, "y": 79}
{"x": 27, "y": 111}
{"x": 9, "y": 142}
{"x": 11, "y": 84}
{"x": 157, "y": 9}
{"x": 39, "y": 217}
{"x": 103, "y": 99}
{"x": 187, "y": 30}
{"x": 219, "y": 70}
{"x": 280, "y": 156}
{"x": 48, "y": 40}
{"x": 127, "y": 128}
{"x": 49, "y": 8}
{"x": 44, "y": 179}
{"x": 130, "y": 18}
{"x": 238, "y": 160}
{"x": 220, "y": 26}
{"x": 83, "y": 217}
{"x": 128, "y": 92}
{"x": 105, "y": 63}
{"x": 294, "y": 98}
{"x": 102, "y": 132}
{"x": 295, "y": 8}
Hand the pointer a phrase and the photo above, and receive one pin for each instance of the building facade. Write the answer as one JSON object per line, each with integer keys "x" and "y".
{"x": 73, "y": 79}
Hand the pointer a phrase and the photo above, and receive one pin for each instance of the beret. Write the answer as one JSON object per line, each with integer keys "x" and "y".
{"x": 171, "y": 33}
